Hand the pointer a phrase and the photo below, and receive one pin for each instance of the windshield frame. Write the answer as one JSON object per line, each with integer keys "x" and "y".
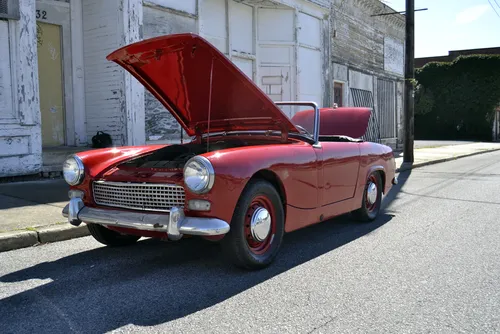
{"x": 316, "y": 116}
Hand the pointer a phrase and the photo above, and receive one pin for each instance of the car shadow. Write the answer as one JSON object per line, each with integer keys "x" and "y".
{"x": 396, "y": 190}
{"x": 152, "y": 282}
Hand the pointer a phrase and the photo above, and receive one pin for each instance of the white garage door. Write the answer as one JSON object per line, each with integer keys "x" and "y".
{"x": 241, "y": 34}
{"x": 213, "y": 23}
{"x": 275, "y": 42}
{"x": 309, "y": 59}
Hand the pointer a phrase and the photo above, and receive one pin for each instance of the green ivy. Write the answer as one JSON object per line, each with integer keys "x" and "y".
{"x": 456, "y": 100}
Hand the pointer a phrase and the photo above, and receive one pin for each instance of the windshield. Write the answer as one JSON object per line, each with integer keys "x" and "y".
{"x": 302, "y": 115}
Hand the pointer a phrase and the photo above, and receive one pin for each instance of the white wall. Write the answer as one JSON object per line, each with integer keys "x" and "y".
{"x": 213, "y": 23}
{"x": 276, "y": 55}
{"x": 114, "y": 99}
{"x": 187, "y": 6}
{"x": 360, "y": 80}
{"x": 20, "y": 131}
{"x": 6, "y": 96}
{"x": 103, "y": 79}
{"x": 158, "y": 21}
{"x": 242, "y": 37}
{"x": 261, "y": 41}
{"x": 310, "y": 62}
{"x": 394, "y": 56}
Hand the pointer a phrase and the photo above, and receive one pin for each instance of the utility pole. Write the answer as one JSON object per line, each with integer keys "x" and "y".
{"x": 409, "y": 106}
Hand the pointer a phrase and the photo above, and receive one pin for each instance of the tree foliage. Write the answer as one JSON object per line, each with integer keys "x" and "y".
{"x": 457, "y": 100}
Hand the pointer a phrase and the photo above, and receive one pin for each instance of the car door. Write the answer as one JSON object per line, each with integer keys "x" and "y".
{"x": 340, "y": 169}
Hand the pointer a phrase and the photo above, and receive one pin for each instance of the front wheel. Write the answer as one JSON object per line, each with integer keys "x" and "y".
{"x": 372, "y": 199}
{"x": 111, "y": 238}
{"x": 257, "y": 227}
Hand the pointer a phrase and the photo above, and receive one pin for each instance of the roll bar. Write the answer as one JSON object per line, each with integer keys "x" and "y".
{"x": 316, "y": 115}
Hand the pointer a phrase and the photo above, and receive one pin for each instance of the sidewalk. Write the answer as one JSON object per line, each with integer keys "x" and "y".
{"x": 433, "y": 155}
{"x": 30, "y": 212}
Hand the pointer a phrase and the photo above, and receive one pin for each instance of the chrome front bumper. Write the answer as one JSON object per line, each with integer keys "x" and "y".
{"x": 175, "y": 224}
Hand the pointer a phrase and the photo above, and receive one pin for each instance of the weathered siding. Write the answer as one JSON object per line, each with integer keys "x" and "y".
{"x": 368, "y": 50}
{"x": 160, "y": 124}
{"x": 359, "y": 38}
{"x": 6, "y": 110}
{"x": 103, "y": 79}
{"x": 186, "y": 6}
{"x": 20, "y": 131}
{"x": 132, "y": 102}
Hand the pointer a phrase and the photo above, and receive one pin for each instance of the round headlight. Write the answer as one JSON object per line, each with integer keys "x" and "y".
{"x": 199, "y": 175}
{"x": 73, "y": 170}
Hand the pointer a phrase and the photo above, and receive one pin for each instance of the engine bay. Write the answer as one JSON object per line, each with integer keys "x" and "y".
{"x": 175, "y": 156}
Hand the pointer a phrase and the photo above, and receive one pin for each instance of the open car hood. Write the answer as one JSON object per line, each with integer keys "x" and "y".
{"x": 202, "y": 88}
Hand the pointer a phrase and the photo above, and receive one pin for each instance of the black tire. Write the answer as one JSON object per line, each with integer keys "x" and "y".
{"x": 367, "y": 213}
{"x": 109, "y": 237}
{"x": 238, "y": 245}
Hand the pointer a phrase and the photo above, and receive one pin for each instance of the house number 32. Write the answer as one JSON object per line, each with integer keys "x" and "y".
{"x": 41, "y": 14}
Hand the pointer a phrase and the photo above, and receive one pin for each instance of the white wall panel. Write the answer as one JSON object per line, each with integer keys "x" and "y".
{"x": 6, "y": 111}
{"x": 360, "y": 80}
{"x": 188, "y": 6}
{"x": 103, "y": 79}
{"x": 159, "y": 122}
{"x": 245, "y": 65}
{"x": 213, "y": 23}
{"x": 275, "y": 55}
{"x": 275, "y": 25}
{"x": 309, "y": 32}
{"x": 241, "y": 27}
{"x": 20, "y": 131}
{"x": 159, "y": 22}
{"x": 394, "y": 56}
{"x": 310, "y": 75}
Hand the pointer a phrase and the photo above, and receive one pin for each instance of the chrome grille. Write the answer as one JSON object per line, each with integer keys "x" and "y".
{"x": 139, "y": 196}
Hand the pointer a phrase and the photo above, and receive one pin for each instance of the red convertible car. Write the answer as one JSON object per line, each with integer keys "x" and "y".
{"x": 249, "y": 173}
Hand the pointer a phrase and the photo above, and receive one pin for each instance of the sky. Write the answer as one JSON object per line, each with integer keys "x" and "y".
{"x": 453, "y": 25}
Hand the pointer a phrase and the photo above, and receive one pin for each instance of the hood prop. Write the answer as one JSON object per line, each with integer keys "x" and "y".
{"x": 210, "y": 103}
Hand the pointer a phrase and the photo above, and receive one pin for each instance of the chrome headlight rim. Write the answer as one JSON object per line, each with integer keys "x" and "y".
{"x": 210, "y": 170}
{"x": 81, "y": 170}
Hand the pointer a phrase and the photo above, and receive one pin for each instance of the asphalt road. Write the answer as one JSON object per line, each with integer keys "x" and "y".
{"x": 430, "y": 263}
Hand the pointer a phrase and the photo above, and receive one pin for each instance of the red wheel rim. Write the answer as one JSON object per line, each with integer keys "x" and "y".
{"x": 260, "y": 247}
{"x": 369, "y": 205}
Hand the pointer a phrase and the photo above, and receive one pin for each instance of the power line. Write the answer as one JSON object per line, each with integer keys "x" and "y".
{"x": 494, "y": 7}
{"x": 403, "y": 12}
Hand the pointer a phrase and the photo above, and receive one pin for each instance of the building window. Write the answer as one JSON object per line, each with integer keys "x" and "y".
{"x": 9, "y": 9}
{"x": 338, "y": 94}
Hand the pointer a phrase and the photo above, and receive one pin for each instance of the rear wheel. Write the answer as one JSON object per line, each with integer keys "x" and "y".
{"x": 111, "y": 238}
{"x": 372, "y": 199}
{"x": 257, "y": 227}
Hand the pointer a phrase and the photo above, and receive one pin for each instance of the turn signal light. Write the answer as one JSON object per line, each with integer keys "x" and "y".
{"x": 199, "y": 205}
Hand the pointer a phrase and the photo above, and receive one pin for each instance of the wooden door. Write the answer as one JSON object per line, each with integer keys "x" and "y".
{"x": 50, "y": 73}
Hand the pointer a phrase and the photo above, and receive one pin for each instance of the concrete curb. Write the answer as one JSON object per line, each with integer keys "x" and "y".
{"x": 432, "y": 162}
{"x": 17, "y": 239}
{"x": 62, "y": 232}
{"x": 27, "y": 238}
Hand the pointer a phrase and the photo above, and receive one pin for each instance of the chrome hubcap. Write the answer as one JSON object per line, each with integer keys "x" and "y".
{"x": 260, "y": 225}
{"x": 371, "y": 193}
